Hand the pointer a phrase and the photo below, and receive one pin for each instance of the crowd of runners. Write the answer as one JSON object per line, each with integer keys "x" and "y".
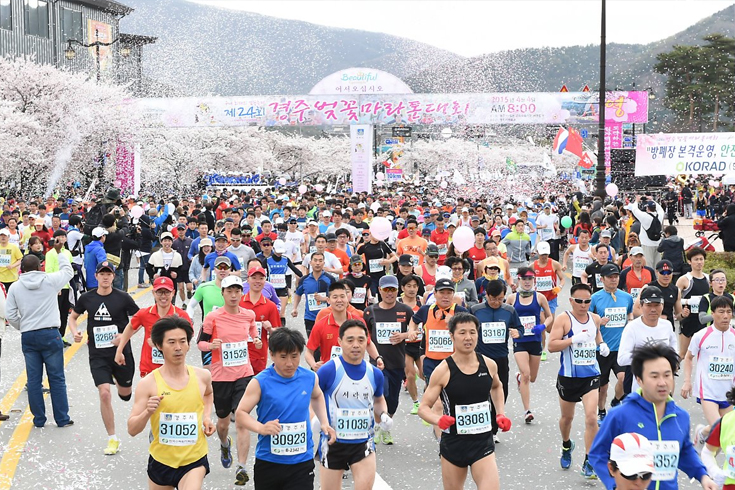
{"x": 314, "y": 312}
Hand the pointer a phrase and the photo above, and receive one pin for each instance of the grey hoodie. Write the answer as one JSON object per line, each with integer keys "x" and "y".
{"x": 32, "y": 303}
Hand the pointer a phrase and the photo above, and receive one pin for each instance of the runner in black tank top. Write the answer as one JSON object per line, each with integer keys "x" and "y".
{"x": 463, "y": 381}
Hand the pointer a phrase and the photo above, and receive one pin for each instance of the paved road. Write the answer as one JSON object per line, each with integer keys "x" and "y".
{"x": 71, "y": 458}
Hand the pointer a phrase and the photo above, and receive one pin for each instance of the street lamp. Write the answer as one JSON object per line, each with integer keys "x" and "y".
{"x": 70, "y": 54}
{"x": 600, "y": 168}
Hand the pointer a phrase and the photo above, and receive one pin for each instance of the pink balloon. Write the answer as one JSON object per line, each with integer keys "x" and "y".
{"x": 282, "y": 181}
{"x": 136, "y": 211}
{"x": 319, "y": 187}
{"x": 380, "y": 228}
{"x": 611, "y": 189}
{"x": 463, "y": 239}
{"x": 302, "y": 189}
{"x": 380, "y": 176}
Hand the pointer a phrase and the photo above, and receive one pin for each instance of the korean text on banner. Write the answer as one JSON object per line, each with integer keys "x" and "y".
{"x": 613, "y": 140}
{"x": 685, "y": 153}
{"x": 361, "y": 149}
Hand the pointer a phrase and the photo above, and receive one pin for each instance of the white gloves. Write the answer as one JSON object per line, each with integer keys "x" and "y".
{"x": 386, "y": 423}
{"x": 604, "y": 350}
{"x": 584, "y": 336}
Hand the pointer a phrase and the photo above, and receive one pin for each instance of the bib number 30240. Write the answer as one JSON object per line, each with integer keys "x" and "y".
{"x": 720, "y": 368}
{"x": 291, "y": 440}
{"x": 665, "y": 459}
{"x": 178, "y": 429}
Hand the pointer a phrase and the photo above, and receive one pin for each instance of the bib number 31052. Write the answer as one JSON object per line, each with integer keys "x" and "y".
{"x": 178, "y": 429}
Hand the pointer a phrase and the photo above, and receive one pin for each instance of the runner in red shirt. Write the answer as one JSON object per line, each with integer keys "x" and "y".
{"x": 150, "y": 357}
{"x": 440, "y": 236}
{"x": 266, "y": 317}
{"x": 477, "y": 253}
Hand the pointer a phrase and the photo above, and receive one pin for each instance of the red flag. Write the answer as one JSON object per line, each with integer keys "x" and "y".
{"x": 586, "y": 161}
{"x": 574, "y": 145}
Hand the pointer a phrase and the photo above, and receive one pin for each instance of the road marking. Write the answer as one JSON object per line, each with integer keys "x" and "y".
{"x": 22, "y": 432}
{"x": 380, "y": 484}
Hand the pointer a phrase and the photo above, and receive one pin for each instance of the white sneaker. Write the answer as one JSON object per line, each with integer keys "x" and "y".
{"x": 699, "y": 437}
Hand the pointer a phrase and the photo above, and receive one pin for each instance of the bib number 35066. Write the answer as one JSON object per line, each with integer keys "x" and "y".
{"x": 440, "y": 341}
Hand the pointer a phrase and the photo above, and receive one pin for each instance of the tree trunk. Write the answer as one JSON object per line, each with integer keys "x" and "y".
{"x": 717, "y": 112}
{"x": 691, "y": 111}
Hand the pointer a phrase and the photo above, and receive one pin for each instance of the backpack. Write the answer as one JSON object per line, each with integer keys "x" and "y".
{"x": 654, "y": 231}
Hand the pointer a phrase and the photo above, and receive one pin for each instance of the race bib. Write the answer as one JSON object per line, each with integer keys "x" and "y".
{"x": 618, "y": 317}
{"x": 335, "y": 352}
{"x": 291, "y": 440}
{"x": 493, "y": 332}
{"x": 439, "y": 341}
{"x": 544, "y": 283}
{"x": 178, "y": 429}
{"x": 720, "y": 367}
{"x": 359, "y": 296}
{"x": 242, "y": 262}
{"x": 473, "y": 419}
{"x": 694, "y": 304}
{"x": 234, "y": 354}
{"x": 528, "y": 323}
{"x": 414, "y": 260}
{"x": 635, "y": 292}
{"x": 278, "y": 280}
{"x": 259, "y": 326}
{"x": 374, "y": 265}
{"x": 513, "y": 275}
{"x": 665, "y": 459}
{"x": 598, "y": 281}
{"x": 312, "y": 249}
{"x": 442, "y": 249}
{"x": 584, "y": 353}
{"x": 352, "y": 423}
{"x": 314, "y": 304}
{"x": 103, "y": 336}
{"x": 156, "y": 356}
{"x": 5, "y": 260}
{"x": 384, "y": 330}
{"x": 578, "y": 267}
{"x": 730, "y": 460}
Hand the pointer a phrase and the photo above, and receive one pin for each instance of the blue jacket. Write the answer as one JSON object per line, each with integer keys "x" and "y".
{"x": 94, "y": 253}
{"x": 636, "y": 414}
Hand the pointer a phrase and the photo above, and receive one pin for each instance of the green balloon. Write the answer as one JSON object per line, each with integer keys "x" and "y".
{"x": 566, "y": 222}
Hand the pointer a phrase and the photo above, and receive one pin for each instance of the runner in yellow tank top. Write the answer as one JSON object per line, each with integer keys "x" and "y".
{"x": 178, "y": 401}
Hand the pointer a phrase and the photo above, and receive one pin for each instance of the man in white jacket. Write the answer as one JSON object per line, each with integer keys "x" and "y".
{"x": 32, "y": 308}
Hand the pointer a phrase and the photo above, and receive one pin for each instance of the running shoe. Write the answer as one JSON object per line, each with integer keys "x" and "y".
{"x": 113, "y": 446}
{"x": 615, "y": 402}
{"x": 699, "y": 435}
{"x": 566, "y": 457}
{"x": 405, "y": 386}
{"x": 601, "y": 414}
{"x": 543, "y": 355}
{"x": 529, "y": 417}
{"x": 226, "y": 453}
{"x": 425, "y": 423}
{"x": 241, "y": 477}
{"x": 378, "y": 436}
{"x": 387, "y": 437}
{"x": 415, "y": 409}
{"x": 587, "y": 470}
{"x": 4, "y": 417}
{"x": 518, "y": 380}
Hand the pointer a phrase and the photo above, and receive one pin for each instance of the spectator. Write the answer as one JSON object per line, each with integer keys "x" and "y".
{"x": 727, "y": 229}
{"x": 672, "y": 249}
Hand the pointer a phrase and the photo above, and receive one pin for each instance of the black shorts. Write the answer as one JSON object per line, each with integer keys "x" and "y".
{"x": 428, "y": 367}
{"x": 533, "y": 348}
{"x": 341, "y": 455}
{"x": 106, "y": 371}
{"x": 165, "y": 476}
{"x": 607, "y": 364}
{"x": 464, "y": 451}
{"x": 688, "y": 329}
{"x": 573, "y": 389}
{"x": 279, "y": 476}
{"x": 227, "y": 395}
{"x": 282, "y": 293}
{"x": 413, "y": 350}
{"x": 289, "y": 279}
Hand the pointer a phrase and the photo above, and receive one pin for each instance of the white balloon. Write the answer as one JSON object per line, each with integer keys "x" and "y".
{"x": 319, "y": 187}
{"x": 282, "y": 181}
{"x": 380, "y": 176}
{"x": 375, "y": 206}
{"x": 443, "y": 184}
{"x": 302, "y": 189}
{"x": 171, "y": 208}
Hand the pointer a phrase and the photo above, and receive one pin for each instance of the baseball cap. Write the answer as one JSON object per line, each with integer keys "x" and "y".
{"x": 356, "y": 259}
{"x": 651, "y": 205}
{"x": 311, "y": 222}
{"x": 664, "y": 266}
{"x": 105, "y": 266}
{"x": 443, "y": 284}
{"x": 508, "y": 206}
{"x": 475, "y": 218}
{"x": 292, "y": 220}
{"x": 388, "y": 282}
{"x": 512, "y": 221}
{"x": 205, "y": 242}
{"x": 99, "y": 232}
{"x": 401, "y": 221}
{"x": 492, "y": 262}
{"x": 651, "y": 294}
{"x": 5, "y": 231}
{"x": 166, "y": 234}
{"x": 426, "y": 231}
{"x": 632, "y": 454}
{"x": 331, "y": 237}
{"x": 636, "y": 251}
{"x": 256, "y": 270}
{"x": 229, "y": 220}
{"x": 405, "y": 259}
{"x": 222, "y": 260}
{"x": 528, "y": 273}
{"x": 432, "y": 250}
{"x": 609, "y": 270}
{"x": 181, "y": 226}
{"x": 543, "y": 248}
{"x": 279, "y": 221}
{"x": 605, "y": 234}
{"x": 465, "y": 210}
{"x": 163, "y": 283}
{"x": 39, "y": 221}
{"x": 279, "y": 247}
{"x": 231, "y": 281}
{"x": 326, "y": 213}
{"x": 221, "y": 236}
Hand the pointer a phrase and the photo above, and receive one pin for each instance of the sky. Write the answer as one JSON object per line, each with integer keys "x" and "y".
{"x": 471, "y": 28}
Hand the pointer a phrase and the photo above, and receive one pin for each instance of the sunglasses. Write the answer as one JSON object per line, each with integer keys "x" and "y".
{"x": 638, "y": 476}
{"x": 389, "y": 289}
{"x": 580, "y": 301}
{"x": 665, "y": 273}
{"x": 266, "y": 244}
{"x": 223, "y": 267}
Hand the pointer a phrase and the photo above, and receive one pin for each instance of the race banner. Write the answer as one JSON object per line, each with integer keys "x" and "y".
{"x": 419, "y": 109}
{"x": 361, "y": 150}
{"x": 685, "y": 153}
{"x": 394, "y": 175}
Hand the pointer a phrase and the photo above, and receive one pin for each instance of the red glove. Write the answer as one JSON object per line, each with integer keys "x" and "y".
{"x": 503, "y": 422}
{"x": 445, "y": 422}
